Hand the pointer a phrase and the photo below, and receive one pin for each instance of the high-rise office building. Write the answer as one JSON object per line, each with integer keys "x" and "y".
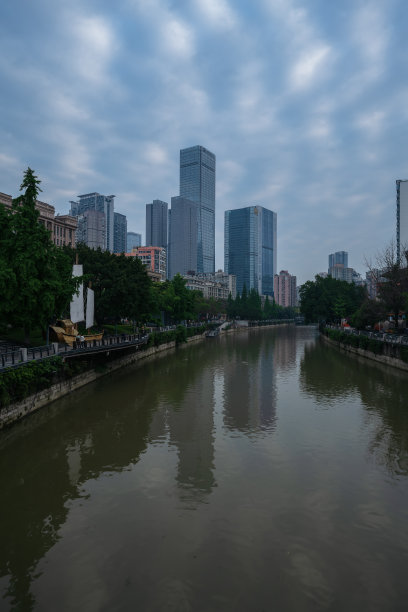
{"x": 340, "y": 257}
{"x": 156, "y": 223}
{"x": 402, "y": 216}
{"x": 133, "y": 239}
{"x": 250, "y": 244}
{"x": 91, "y": 229}
{"x": 100, "y": 203}
{"x": 197, "y": 183}
{"x": 285, "y": 288}
{"x": 119, "y": 233}
{"x": 340, "y": 272}
{"x": 182, "y": 248}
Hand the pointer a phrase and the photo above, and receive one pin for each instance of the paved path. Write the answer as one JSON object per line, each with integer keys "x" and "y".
{"x": 15, "y": 356}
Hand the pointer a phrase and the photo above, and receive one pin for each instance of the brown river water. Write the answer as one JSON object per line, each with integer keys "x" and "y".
{"x": 260, "y": 471}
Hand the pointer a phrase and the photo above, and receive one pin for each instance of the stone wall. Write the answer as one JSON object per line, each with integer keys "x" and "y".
{"x": 30, "y": 404}
{"x": 17, "y": 411}
{"x": 384, "y": 359}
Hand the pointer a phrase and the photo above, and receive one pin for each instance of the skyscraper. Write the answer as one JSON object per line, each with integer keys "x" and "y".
{"x": 133, "y": 239}
{"x": 100, "y": 203}
{"x": 119, "y": 233}
{"x": 285, "y": 288}
{"x": 402, "y": 215}
{"x": 182, "y": 251}
{"x": 156, "y": 223}
{"x": 250, "y": 244}
{"x": 340, "y": 257}
{"x": 91, "y": 229}
{"x": 197, "y": 183}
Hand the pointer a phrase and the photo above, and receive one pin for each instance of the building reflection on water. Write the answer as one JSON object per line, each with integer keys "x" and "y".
{"x": 227, "y": 388}
{"x": 249, "y": 372}
{"x": 47, "y": 459}
{"x": 327, "y": 374}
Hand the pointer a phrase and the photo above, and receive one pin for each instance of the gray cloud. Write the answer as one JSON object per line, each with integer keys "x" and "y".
{"x": 305, "y": 108}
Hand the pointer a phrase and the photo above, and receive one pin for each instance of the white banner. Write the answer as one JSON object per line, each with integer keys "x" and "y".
{"x": 89, "y": 308}
{"x": 77, "y": 304}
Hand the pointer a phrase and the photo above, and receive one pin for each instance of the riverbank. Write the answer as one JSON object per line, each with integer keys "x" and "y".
{"x": 18, "y": 410}
{"x": 383, "y": 359}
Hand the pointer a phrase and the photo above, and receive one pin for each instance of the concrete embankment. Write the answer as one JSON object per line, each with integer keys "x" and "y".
{"x": 15, "y": 412}
{"x": 383, "y": 359}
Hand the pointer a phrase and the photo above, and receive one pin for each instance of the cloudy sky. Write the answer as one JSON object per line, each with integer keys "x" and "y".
{"x": 304, "y": 103}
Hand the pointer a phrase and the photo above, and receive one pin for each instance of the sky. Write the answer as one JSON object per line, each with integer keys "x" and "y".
{"x": 304, "y": 103}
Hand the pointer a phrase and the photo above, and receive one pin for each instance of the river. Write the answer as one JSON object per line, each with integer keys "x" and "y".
{"x": 260, "y": 471}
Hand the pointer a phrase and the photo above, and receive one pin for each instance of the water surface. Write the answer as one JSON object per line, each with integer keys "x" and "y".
{"x": 260, "y": 471}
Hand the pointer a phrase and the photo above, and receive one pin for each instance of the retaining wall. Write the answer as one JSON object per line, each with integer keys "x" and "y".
{"x": 30, "y": 404}
{"x": 384, "y": 359}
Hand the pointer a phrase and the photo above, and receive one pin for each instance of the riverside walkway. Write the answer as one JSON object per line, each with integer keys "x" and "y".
{"x": 15, "y": 356}
{"x": 12, "y": 356}
{"x": 388, "y": 338}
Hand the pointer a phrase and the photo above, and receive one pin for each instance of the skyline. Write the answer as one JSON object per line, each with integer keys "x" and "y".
{"x": 303, "y": 104}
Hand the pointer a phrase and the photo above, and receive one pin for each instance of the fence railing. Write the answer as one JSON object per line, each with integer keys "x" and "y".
{"x": 21, "y": 355}
{"x": 397, "y": 339}
{"x": 11, "y": 355}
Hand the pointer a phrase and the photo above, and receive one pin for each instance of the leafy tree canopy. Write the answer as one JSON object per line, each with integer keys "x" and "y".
{"x": 34, "y": 273}
{"x": 329, "y": 299}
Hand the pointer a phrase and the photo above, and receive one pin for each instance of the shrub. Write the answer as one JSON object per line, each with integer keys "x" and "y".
{"x": 18, "y": 383}
{"x": 181, "y": 334}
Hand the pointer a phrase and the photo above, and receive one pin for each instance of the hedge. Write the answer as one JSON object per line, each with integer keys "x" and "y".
{"x": 179, "y": 335}
{"x": 34, "y": 376}
{"x": 363, "y": 342}
{"x": 18, "y": 383}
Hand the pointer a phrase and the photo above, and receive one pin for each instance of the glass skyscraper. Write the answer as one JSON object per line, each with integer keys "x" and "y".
{"x": 250, "y": 248}
{"x": 100, "y": 203}
{"x": 133, "y": 239}
{"x": 339, "y": 257}
{"x": 182, "y": 250}
{"x": 119, "y": 233}
{"x": 156, "y": 223}
{"x": 197, "y": 183}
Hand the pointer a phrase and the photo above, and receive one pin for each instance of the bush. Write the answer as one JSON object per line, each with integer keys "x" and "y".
{"x": 363, "y": 342}
{"x": 181, "y": 334}
{"x": 18, "y": 383}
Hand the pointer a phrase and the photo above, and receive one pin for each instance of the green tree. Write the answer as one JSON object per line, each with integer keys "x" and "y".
{"x": 327, "y": 298}
{"x": 369, "y": 313}
{"x": 184, "y": 301}
{"x": 339, "y": 307}
{"x": 8, "y": 281}
{"x": 231, "y": 311}
{"x": 121, "y": 284}
{"x": 43, "y": 279}
{"x": 254, "y": 306}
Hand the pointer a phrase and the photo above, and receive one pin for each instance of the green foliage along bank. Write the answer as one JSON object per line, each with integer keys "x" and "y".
{"x": 248, "y": 305}
{"x": 368, "y": 344}
{"x": 31, "y": 377}
{"x": 34, "y": 376}
{"x": 36, "y": 282}
{"x": 330, "y": 300}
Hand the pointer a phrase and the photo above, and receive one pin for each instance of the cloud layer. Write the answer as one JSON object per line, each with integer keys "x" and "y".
{"x": 304, "y": 105}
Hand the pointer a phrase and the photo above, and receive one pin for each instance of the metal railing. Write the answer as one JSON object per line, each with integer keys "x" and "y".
{"x": 23, "y": 355}
{"x": 13, "y": 356}
{"x": 397, "y": 339}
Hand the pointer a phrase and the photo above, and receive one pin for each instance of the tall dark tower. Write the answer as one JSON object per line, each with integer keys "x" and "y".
{"x": 156, "y": 223}
{"x": 197, "y": 183}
